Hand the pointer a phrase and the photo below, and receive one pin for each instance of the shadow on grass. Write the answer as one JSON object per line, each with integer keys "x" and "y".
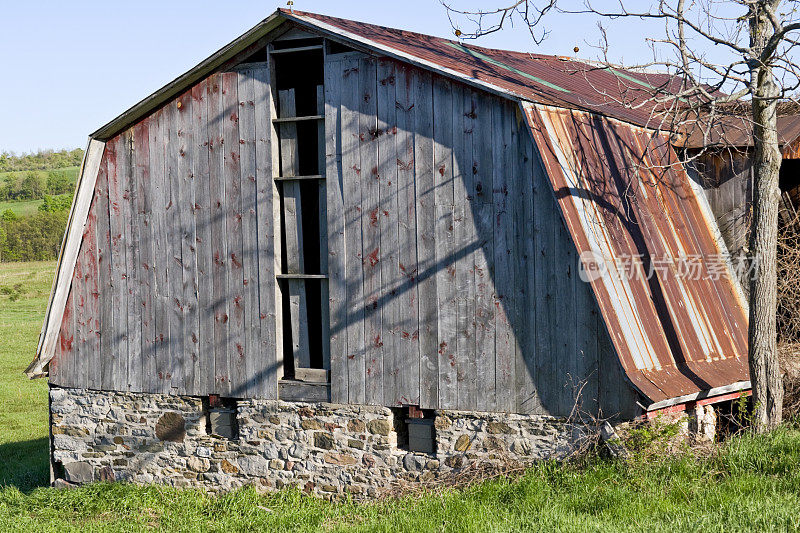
{"x": 24, "y": 464}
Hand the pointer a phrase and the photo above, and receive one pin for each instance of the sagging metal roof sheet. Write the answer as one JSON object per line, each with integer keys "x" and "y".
{"x": 677, "y": 319}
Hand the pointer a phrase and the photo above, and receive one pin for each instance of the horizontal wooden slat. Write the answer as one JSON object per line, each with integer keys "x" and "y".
{"x": 295, "y": 178}
{"x": 297, "y": 119}
{"x": 299, "y": 391}
{"x": 302, "y": 276}
{"x": 296, "y": 49}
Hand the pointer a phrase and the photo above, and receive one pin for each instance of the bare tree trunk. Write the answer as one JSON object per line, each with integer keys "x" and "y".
{"x": 765, "y": 373}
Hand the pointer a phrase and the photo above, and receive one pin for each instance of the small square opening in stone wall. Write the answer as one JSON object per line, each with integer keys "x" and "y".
{"x": 415, "y": 429}
{"x": 220, "y": 416}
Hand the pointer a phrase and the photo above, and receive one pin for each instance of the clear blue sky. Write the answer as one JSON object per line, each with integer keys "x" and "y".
{"x": 70, "y": 67}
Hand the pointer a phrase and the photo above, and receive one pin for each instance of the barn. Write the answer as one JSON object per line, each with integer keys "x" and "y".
{"x": 721, "y": 156}
{"x": 334, "y": 255}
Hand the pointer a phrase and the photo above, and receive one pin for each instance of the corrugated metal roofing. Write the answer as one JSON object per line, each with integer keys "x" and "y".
{"x": 675, "y": 315}
{"x": 547, "y": 79}
{"x": 737, "y": 132}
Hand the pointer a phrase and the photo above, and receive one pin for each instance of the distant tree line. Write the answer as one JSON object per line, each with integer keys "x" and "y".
{"x": 34, "y": 185}
{"x": 31, "y": 238}
{"x": 41, "y": 160}
{"x": 39, "y": 176}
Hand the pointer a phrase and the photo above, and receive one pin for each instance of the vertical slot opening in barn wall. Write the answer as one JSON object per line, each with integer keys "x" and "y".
{"x": 299, "y": 100}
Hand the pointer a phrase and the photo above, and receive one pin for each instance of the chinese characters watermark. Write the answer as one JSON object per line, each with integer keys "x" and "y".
{"x": 594, "y": 266}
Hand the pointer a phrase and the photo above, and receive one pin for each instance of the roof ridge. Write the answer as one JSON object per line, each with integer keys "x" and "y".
{"x": 533, "y": 55}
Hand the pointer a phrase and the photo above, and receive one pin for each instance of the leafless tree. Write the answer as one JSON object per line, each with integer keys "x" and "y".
{"x": 730, "y": 65}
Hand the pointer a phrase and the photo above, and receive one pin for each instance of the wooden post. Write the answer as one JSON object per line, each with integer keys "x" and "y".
{"x": 323, "y": 232}
{"x": 293, "y": 223}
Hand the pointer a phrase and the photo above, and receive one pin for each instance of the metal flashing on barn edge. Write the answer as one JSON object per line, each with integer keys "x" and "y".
{"x": 67, "y": 256}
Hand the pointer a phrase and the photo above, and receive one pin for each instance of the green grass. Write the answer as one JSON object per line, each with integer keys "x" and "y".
{"x": 22, "y": 208}
{"x": 23, "y": 404}
{"x": 752, "y": 484}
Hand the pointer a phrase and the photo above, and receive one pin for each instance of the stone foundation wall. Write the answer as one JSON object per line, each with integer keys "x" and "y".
{"x": 325, "y": 449}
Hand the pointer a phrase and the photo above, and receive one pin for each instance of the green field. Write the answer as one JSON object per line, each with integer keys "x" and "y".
{"x": 23, "y": 208}
{"x": 71, "y": 172}
{"x": 29, "y": 207}
{"x": 749, "y": 484}
{"x": 23, "y": 404}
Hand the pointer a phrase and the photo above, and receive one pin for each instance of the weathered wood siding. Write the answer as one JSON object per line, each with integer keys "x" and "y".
{"x": 175, "y": 285}
{"x": 453, "y": 282}
{"x": 727, "y": 178}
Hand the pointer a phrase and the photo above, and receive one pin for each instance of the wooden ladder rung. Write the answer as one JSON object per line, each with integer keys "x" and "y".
{"x": 301, "y": 276}
{"x": 298, "y": 119}
{"x": 295, "y": 178}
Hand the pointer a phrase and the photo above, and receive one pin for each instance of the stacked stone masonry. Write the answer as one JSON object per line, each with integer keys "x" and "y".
{"x": 324, "y": 449}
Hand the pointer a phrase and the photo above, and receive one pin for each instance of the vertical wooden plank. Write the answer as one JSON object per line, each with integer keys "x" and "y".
{"x": 390, "y": 275}
{"x": 293, "y": 227}
{"x": 144, "y": 266}
{"x": 103, "y": 239}
{"x": 65, "y": 366}
{"x": 351, "y": 180}
{"x": 132, "y": 244}
{"x": 266, "y": 359}
{"x": 233, "y": 200}
{"x": 55, "y": 367}
{"x": 104, "y": 267}
{"x": 447, "y": 307}
{"x": 323, "y": 234}
{"x": 445, "y": 100}
{"x": 92, "y": 299}
{"x": 277, "y": 213}
{"x": 482, "y": 152}
{"x": 160, "y": 300}
{"x": 504, "y": 273}
{"x": 407, "y": 354}
{"x": 371, "y": 254}
{"x": 204, "y": 367}
{"x": 586, "y": 345}
{"x": 219, "y": 233}
{"x": 247, "y": 152}
{"x": 83, "y": 277}
{"x": 565, "y": 320}
{"x": 117, "y": 171}
{"x": 426, "y": 243}
{"x": 77, "y": 372}
{"x": 465, "y": 240}
{"x": 172, "y": 236}
{"x": 518, "y": 297}
{"x": 610, "y": 374}
{"x": 185, "y": 205}
{"x": 337, "y": 280}
{"x": 528, "y": 397}
{"x": 482, "y": 171}
{"x": 545, "y": 228}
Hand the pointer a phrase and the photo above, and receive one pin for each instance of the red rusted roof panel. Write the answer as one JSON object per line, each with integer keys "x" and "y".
{"x": 663, "y": 283}
{"x": 554, "y": 80}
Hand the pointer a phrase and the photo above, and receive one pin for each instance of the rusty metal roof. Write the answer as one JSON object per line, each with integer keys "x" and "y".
{"x": 736, "y": 131}
{"x": 629, "y": 205}
{"x": 547, "y": 79}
